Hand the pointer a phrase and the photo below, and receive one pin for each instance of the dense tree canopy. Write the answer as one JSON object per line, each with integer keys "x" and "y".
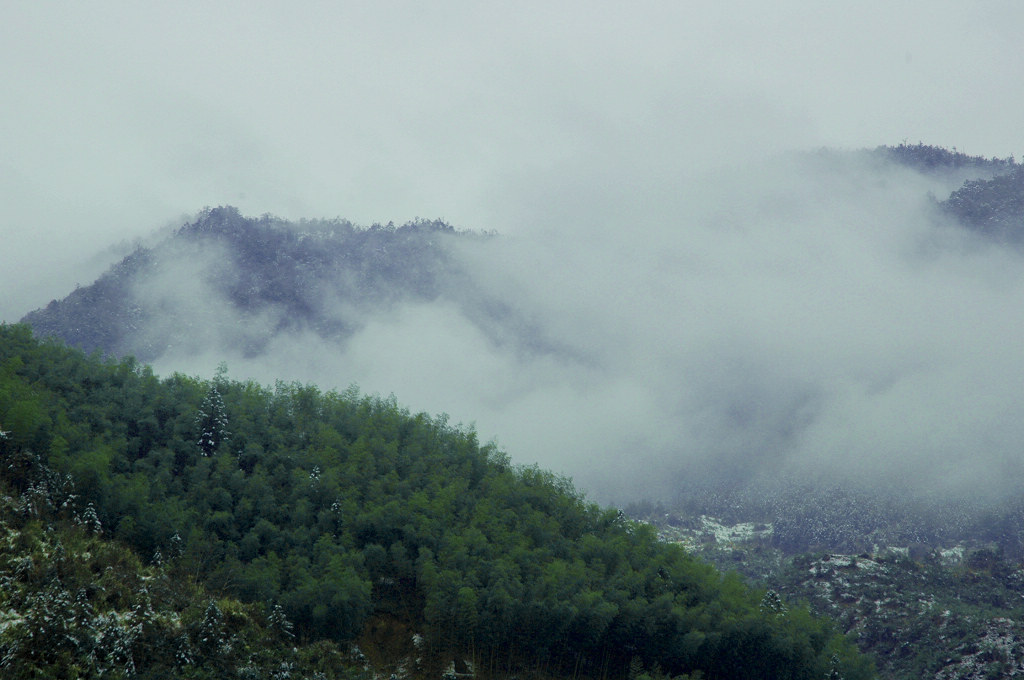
{"x": 346, "y": 512}
{"x": 928, "y": 158}
{"x": 994, "y": 207}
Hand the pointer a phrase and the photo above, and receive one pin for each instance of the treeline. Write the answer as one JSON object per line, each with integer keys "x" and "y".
{"x": 266, "y": 274}
{"x": 353, "y": 515}
{"x": 928, "y": 158}
{"x": 991, "y": 204}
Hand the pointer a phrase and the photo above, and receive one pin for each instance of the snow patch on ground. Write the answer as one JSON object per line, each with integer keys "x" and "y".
{"x": 733, "y": 533}
{"x": 954, "y": 555}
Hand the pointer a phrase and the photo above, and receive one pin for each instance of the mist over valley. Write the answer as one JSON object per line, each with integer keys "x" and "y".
{"x": 830, "y": 317}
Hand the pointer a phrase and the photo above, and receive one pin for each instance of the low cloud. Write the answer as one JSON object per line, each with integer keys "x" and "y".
{"x": 809, "y": 315}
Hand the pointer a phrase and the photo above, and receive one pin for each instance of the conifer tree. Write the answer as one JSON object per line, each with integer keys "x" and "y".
{"x": 772, "y": 603}
{"x": 211, "y": 631}
{"x": 279, "y": 623}
{"x": 212, "y": 421}
{"x": 90, "y": 520}
{"x": 833, "y": 672}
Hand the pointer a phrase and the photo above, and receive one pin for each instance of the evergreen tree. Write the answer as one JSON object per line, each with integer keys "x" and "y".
{"x": 772, "y": 603}
{"x": 210, "y": 635}
{"x": 90, "y": 520}
{"x": 833, "y": 671}
{"x": 279, "y": 623}
{"x": 212, "y": 421}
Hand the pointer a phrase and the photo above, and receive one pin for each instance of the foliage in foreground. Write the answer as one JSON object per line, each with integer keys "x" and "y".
{"x": 349, "y": 513}
{"x": 74, "y": 604}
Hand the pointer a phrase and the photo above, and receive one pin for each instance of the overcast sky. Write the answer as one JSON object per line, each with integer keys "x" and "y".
{"x": 728, "y": 299}
{"x": 121, "y": 117}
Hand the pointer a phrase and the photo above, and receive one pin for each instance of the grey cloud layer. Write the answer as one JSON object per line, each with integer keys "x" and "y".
{"x": 806, "y": 314}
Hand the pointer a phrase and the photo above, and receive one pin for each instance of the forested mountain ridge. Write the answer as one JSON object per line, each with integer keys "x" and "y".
{"x": 356, "y": 517}
{"x": 990, "y": 203}
{"x": 993, "y": 207}
{"x": 227, "y": 283}
{"x": 226, "y": 280}
{"x": 254, "y": 277}
{"x": 928, "y": 158}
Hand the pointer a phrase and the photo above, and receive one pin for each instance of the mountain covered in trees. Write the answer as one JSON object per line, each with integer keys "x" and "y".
{"x": 227, "y": 283}
{"x": 992, "y": 203}
{"x": 993, "y": 207}
{"x": 225, "y": 280}
{"x": 215, "y": 528}
{"x": 267, "y": 276}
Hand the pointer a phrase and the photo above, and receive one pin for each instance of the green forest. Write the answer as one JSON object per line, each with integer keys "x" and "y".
{"x": 336, "y": 522}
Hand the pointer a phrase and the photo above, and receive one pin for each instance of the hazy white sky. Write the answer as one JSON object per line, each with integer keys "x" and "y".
{"x": 120, "y": 117}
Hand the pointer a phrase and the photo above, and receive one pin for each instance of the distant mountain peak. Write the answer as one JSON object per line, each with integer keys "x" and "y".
{"x": 930, "y": 158}
{"x": 252, "y": 271}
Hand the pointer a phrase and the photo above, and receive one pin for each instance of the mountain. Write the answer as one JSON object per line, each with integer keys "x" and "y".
{"x": 227, "y": 278}
{"x": 363, "y": 523}
{"x": 737, "y": 419}
{"x": 725, "y": 338}
{"x": 993, "y": 207}
{"x": 991, "y": 199}
{"x": 936, "y": 159}
{"x": 228, "y": 281}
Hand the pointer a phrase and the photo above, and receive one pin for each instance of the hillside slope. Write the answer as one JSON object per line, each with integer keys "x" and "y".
{"x": 225, "y": 278}
{"x": 76, "y": 604}
{"x": 357, "y": 518}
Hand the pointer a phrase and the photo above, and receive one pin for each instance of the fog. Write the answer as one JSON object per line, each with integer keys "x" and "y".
{"x": 122, "y": 117}
{"x": 810, "y": 315}
{"x": 711, "y": 297}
